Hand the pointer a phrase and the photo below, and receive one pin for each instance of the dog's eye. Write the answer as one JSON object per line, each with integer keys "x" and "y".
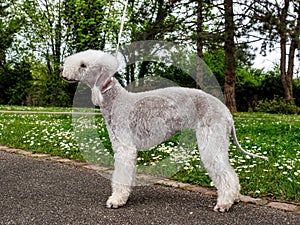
{"x": 82, "y": 65}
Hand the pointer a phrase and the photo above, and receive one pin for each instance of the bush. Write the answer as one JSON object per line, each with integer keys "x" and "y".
{"x": 277, "y": 105}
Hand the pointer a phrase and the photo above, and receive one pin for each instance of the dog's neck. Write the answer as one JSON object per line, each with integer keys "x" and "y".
{"x": 110, "y": 95}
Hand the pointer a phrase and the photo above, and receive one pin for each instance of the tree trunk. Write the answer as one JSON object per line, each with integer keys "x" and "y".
{"x": 199, "y": 78}
{"x": 283, "y": 41}
{"x": 132, "y": 68}
{"x": 130, "y": 73}
{"x": 294, "y": 45}
{"x": 229, "y": 49}
{"x": 142, "y": 72}
{"x": 287, "y": 95}
{"x": 290, "y": 71}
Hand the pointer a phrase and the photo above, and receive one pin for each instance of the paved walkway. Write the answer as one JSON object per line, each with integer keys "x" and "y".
{"x": 39, "y": 191}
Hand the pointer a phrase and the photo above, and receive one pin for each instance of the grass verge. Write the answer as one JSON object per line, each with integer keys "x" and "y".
{"x": 275, "y": 136}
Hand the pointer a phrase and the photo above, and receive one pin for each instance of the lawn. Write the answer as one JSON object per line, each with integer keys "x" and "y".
{"x": 84, "y": 138}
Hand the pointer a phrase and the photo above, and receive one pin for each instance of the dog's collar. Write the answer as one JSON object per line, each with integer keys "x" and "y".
{"x": 109, "y": 85}
{"x": 104, "y": 90}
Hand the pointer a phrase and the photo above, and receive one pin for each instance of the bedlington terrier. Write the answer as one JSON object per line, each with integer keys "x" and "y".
{"x": 138, "y": 121}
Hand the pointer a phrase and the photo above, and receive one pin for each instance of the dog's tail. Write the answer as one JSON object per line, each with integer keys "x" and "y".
{"x": 236, "y": 142}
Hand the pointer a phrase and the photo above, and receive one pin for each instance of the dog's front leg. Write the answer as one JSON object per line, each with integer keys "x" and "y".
{"x": 123, "y": 176}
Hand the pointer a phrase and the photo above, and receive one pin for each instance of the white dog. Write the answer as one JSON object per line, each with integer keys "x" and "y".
{"x": 142, "y": 120}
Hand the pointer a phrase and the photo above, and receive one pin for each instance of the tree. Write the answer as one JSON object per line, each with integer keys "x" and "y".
{"x": 199, "y": 42}
{"x": 152, "y": 20}
{"x": 89, "y": 24}
{"x": 229, "y": 49}
{"x": 220, "y": 29}
{"x": 295, "y": 44}
{"x": 43, "y": 32}
{"x": 42, "y": 39}
{"x": 9, "y": 26}
{"x": 281, "y": 20}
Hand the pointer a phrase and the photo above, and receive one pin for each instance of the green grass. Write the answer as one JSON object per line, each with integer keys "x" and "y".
{"x": 34, "y": 108}
{"x": 51, "y": 134}
{"x": 275, "y": 136}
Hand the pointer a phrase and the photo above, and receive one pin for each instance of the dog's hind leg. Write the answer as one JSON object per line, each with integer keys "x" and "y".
{"x": 213, "y": 143}
{"x": 123, "y": 176}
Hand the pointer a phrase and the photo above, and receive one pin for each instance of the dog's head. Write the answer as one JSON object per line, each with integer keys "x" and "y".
{"x": 92, "y": 67}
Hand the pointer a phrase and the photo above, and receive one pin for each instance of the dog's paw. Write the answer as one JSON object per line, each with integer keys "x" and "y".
{"x": 238, "y": 198}
{"x": 114, "y": 203}
{"x": 222, "y": 207}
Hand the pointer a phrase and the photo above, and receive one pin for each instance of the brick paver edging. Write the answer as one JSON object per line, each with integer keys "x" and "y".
{"x": 284, "y": 206}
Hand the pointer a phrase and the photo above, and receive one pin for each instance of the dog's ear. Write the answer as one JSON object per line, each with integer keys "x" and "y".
{"x": 104, "y": 80}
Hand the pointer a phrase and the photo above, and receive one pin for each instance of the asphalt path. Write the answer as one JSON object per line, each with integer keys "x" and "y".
{"x": 38, "y": 191}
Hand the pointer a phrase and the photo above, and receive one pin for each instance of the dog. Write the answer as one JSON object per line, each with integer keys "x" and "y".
{"x": 138, "y": 121}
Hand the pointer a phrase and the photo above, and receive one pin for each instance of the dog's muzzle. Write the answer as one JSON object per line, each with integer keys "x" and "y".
{"x": 61, "y": 69}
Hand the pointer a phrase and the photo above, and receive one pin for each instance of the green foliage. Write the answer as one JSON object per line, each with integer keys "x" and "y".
{"x": 20, "y": 85}
{"x": 296, "y": 91}
{"x": 49, "y": 93}
{"x": 256, "y": 85}
{"x": 47, "y": 31}
{"x": 88, "y": 22}
{"x": 21, "y": 78}
{"x": 277, "y": 105}
{"x": 172, "y": 73}
{"x": 248, "y": 87}
{"x": 43, "y": 42}
{"x": 246, "y": 74}
{"x": 9, "y": 25}
{"x": 215, "y": 61}
{"x": 153, "y": 20}
{"x": 15, "y": 83}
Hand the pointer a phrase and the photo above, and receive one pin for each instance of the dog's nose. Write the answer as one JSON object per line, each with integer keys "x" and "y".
{"x": 61, "y": 69}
